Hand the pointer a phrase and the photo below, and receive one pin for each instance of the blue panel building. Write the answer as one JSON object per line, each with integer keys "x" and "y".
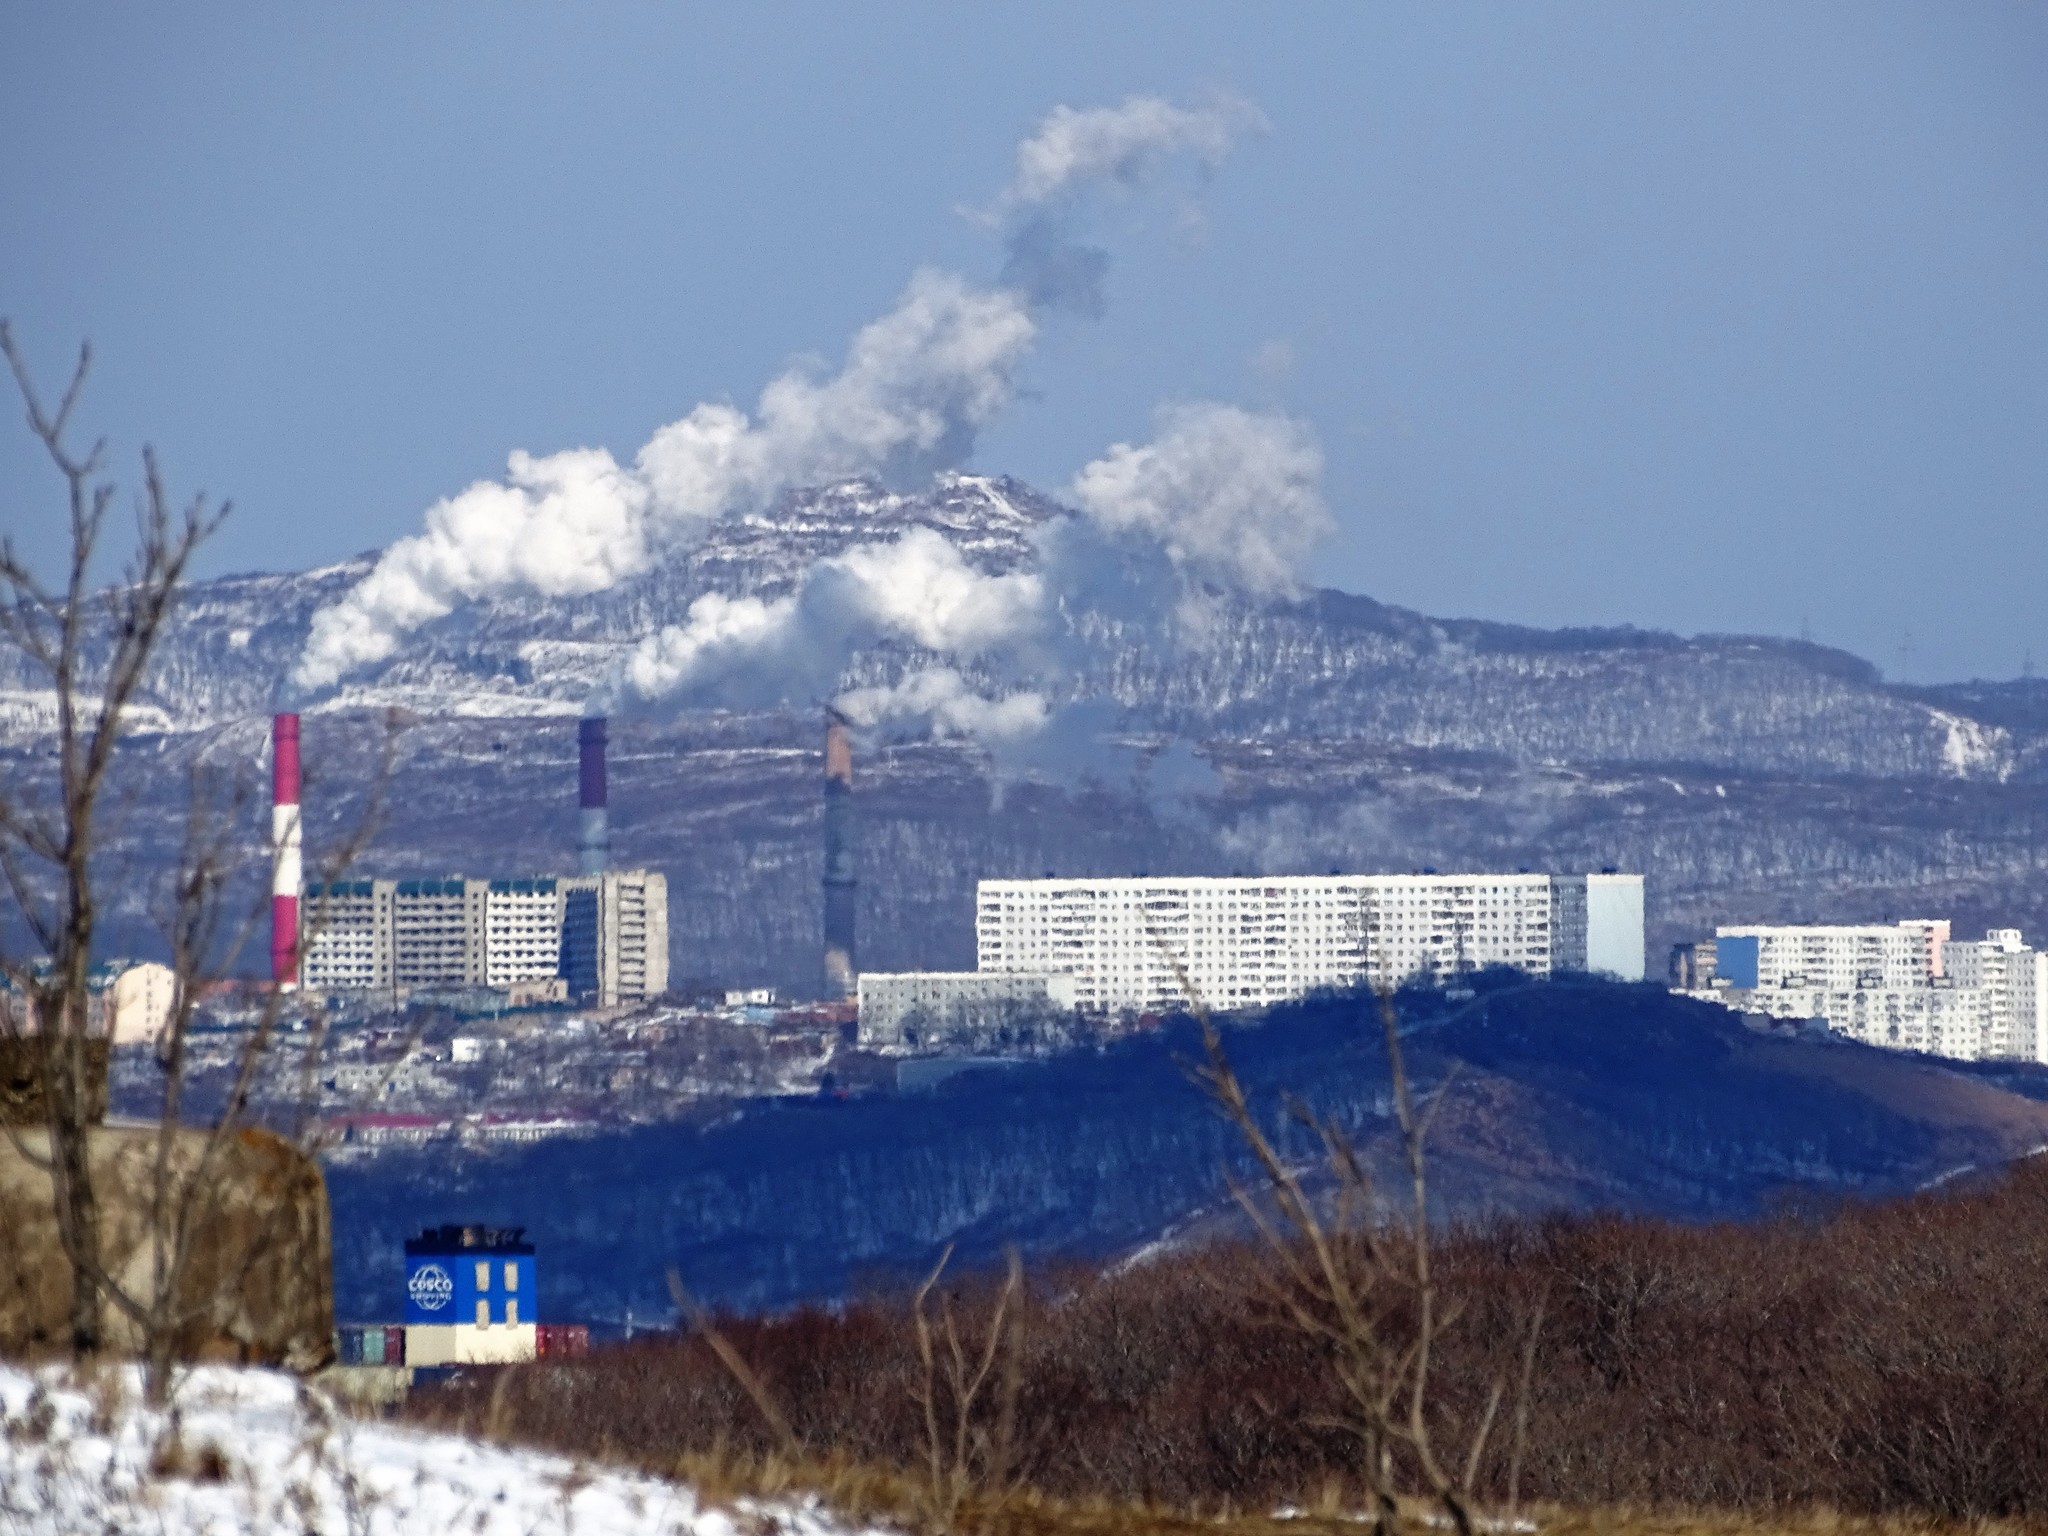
{"x": 470, "y": 1296}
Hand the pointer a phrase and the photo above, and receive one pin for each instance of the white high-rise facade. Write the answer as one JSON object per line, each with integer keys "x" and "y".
{"x": 1906, "y": 986}
{"x": 1832, "y": 957}
{"x": 2013, "y": 982}
{"x": 615, "y": 936}
{"x": 381, "y": 935}
{"x": 1135, "y": 944}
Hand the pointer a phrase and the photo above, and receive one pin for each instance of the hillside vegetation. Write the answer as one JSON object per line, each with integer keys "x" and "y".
{"x": 1888, "y": 1358}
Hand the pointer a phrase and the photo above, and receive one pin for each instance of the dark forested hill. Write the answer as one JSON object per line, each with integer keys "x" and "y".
{"x": 1576, "y": 1093}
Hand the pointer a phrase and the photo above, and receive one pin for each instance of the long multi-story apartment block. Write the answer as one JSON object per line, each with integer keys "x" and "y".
{"x": 1832, "y": 957}
{"x": 1146, "y": 943}
{"x": 607, "y": 935}
{"x": 1905, "y": 986}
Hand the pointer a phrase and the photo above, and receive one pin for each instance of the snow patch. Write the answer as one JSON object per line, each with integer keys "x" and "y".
{"x": 31, "y": 712}
{"x": 1972, "y": 749}
{"x": 259, "y": 1451}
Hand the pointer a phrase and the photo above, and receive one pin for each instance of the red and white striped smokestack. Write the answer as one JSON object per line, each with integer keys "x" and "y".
{"x": 286, "y": 860}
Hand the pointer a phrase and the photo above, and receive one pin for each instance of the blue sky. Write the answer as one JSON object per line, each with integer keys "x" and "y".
{"x": 1712, "y": 317}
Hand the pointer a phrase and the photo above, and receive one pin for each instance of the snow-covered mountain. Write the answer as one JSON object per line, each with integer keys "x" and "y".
{"x": 1747, "y": 777}
{"x": 1330, "y": 665}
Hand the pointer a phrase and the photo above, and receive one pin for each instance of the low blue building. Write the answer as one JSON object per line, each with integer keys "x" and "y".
{"x": 470, "y": 1296}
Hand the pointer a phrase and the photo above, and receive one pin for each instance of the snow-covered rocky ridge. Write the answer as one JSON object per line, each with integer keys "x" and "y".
{"x": 257, "y": 1451}
{"x": 1749, "y": 778}
{"x": 1325, "y": 665}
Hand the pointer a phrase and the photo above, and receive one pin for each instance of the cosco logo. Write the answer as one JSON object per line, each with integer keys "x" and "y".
{"x": 430, "y": 1287}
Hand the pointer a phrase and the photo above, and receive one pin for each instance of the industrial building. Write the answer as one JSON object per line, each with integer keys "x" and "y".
{"x": 928, "y": 1010}
{"x": 469, "y": 1297}
{"x": 1134, "y": 944}
{"x": 605, "y": 934}
{"x": 1904, "y": 986}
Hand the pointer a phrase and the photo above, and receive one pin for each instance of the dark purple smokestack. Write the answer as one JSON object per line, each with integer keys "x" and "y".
{"x": 594, "y": 838}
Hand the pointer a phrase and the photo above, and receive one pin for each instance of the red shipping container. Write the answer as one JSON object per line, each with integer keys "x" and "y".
{"x": 560, "y": 1340}
{"x": 394, "y": 1345}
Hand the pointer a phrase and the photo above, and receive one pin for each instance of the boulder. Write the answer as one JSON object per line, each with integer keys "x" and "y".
{"x": 260, "y": 1281}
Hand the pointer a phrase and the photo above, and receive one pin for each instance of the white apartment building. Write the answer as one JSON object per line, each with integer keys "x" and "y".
{"x": 456, "y": 933}
{"x": 2013, "y": 981}
{"x": 522, "y": 931}
{"x": 921, "y": 1010}
{"x": 1832, "y": 957}
{"x": 345, "y": 936}
{"x": 1138, "y": 944}
{"x": 1903, "y": 986}
{"x": 437, "y": 932}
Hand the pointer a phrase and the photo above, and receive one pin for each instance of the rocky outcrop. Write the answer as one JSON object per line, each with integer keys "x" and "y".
{"x": 258, "y": 1287}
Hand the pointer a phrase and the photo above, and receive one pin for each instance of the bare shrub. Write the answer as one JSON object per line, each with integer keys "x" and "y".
{"x": 1888, "y": 1358}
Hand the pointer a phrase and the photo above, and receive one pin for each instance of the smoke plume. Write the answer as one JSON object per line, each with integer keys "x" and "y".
{"x": 747, "y": 653}
{"x": 915, "y": 387}
{"x": 1222, "y": 499}
{"x": 1232, "y": 497}
{"x": 1120, "y": 143}
{"x": 1121, "y": 147}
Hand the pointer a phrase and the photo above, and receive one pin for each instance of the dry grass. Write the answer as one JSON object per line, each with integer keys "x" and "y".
{"x": 876, "y": 1495}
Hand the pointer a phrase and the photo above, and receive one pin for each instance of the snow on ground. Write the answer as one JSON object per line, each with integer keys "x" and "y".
{"x": 256, "y": 1451}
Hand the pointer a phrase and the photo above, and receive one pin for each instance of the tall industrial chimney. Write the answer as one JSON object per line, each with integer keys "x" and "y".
{"x": 593, "y": 833}
{"x": 841, "y": 967}
{"x": 286, "y": 859}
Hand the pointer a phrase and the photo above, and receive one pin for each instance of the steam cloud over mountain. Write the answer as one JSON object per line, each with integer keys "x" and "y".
{"x": 1232, "y": 497}
{"x": 1222, "y": 498}
{"x": 747, "y": 653}
{"x": 916, "y": 385}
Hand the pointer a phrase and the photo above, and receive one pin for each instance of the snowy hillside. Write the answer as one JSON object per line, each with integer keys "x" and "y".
{"x": 1749, "y": 778}
{"x": 256, "y": 1451}
{"x": 1327, "y": 665}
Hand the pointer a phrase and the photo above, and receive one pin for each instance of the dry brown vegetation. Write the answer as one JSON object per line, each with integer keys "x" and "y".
{"x": 1889, "y": 1360}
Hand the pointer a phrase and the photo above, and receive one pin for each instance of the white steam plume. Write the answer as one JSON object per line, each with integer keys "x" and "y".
{"x": 1078, "y": 148}
{"x": 747, "y": 653}
{"x": 1232, "y": 497}
{"x": 944, "y": 704}
{"x": 565, "y": 525}
{"x": 916, "y": 386}
{"x": 1088, "y": 143}
{"x": 1221, "y": 499}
